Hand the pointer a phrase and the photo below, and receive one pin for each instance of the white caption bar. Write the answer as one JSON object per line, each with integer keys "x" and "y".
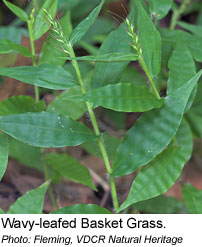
{"x": 100, "y": 230}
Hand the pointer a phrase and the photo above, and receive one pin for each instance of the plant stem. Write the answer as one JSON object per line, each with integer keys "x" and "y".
{"x": 177, "y": 13}
{"x": 97, "y": 133}
{"x": 31, "y": 38}
{"x": 144, "y": 67}
{"x": 34, "y": 63}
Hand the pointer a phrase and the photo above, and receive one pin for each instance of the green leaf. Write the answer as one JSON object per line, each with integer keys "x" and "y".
{"x": 51, "y": 53}
{"x": 31, "y": 202}
{"x": 7, "y": 46}
{"x": 181, "y": 66}
{"x": 13, "y": 34}
{"x": 45, "y": 129}
{"x": 149, "y": 39}
{"x": 101, "y": 26}
{"x": 160, "y": 205}
{"x": 16, "y": 10}
{"x": 68, "y": 5}
{"x": 70, "y": 168}
{"x": 124, "y": 97}
{"x": 197, "y": 30}
{"x": 195, "y": 120}
{"x": 70, "y": 108}
{"x": 109, "y": 73}
{"x": 133, "y": 75}
{"x": 192, "y": 198}
{"x": 25, "y": 154}
{"x": 158, "y": 176}
{"x": 83, "y": 26}
{"x": 108, "y": 58}
{"x": 194, "y": 116}
{"x": 3, "y": 154}
{"x": 79, "y": 13}
{"x": 20, "y": 104}
{"x": 153, "y": 131}
{"x": 45, "y": 75}
{"x": 82, "y": 209}
{"x": 193, "y": 42}
{"x": 40, "y": 24}
{"x": 159, "y": 9}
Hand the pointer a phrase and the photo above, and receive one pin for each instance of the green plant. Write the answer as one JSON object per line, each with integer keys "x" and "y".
{"x": 160, "y": 142}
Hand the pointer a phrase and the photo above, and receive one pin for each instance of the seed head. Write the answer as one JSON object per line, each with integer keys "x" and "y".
{"x": 58, "y": 33}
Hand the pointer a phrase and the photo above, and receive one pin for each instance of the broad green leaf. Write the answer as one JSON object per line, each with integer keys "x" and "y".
{"x": 31, "y": 202}
{"x": 153, "y": 131}
{"x": 109, "y": 73}
{"x": 181, "y": 66}
{"x": 194, "y": 116}
{"x": 197, "y": 30}
{"x": 70, "y": 108}
{"x": 20, "y": 104}
{"x": 160, "y": 205}
{"x": 3, "y": 154}
{"x": 79, "y": 13}
{"x": 108, "y": 58}
{"x": 13, "y": 34}
{"x": 7, "y": 46}
{"x": 84, "y": 25}
{"x": 133, "y": 75}
{"x": 68, "y": 4}
{"x": 16, "y": 10}
{"x": 191, "y": 99}
{"x": 111, "y": 144}
{"x": 82, "y": 209}
{"x": 158, "y": 176}
{"x": 148, "y": 38}
{"x": 192, "y": 198}
{"x": 45, "y": 129}
{"x": 40, "y": 24}
{"x": 166, "y": 50}
{"x": 51, "y": 51}
{"x": 124, "y": 97}
{"x": 45, "y": 75}
{"x": 159, "y": 9}
{"x": 194, "y": 43}
{"x": 101, "y": 26}
{"x": 25, "y": 154}
{"x": 70, "y": 168}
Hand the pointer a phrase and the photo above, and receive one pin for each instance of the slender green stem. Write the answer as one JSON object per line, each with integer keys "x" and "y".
{"x": 144, "y": 67}
{"x": 34, "y": 63}
{"x": 97, "y": 132}
{"x": 31, "y": 38}
{"x": 177, "y": 13}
